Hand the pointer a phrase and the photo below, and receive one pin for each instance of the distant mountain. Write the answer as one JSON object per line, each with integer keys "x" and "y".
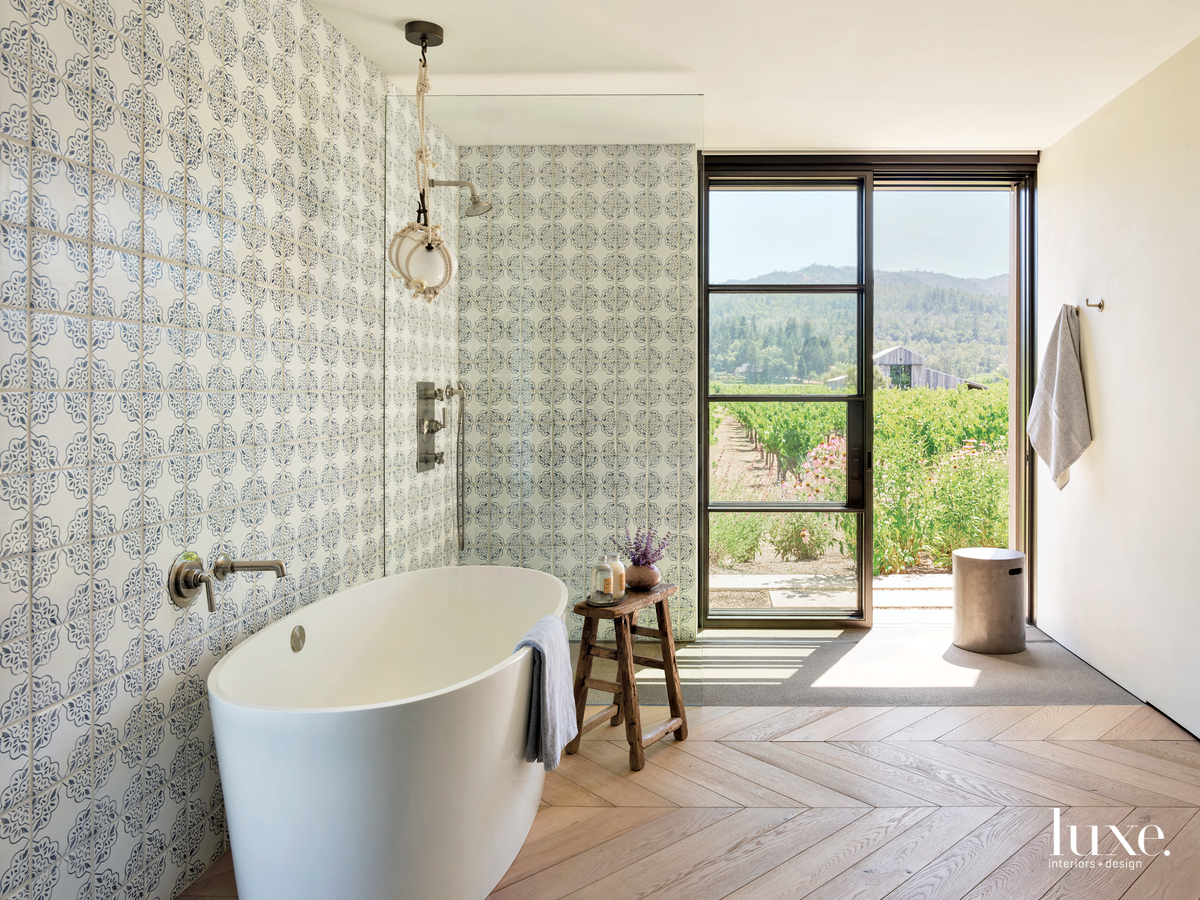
{"x": 996, "y": 286}
{"x": 809, "y": 275}
{"x": 960, "y": 325}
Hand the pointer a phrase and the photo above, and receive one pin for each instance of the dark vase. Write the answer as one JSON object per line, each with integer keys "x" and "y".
{"x": 642, "y": 578}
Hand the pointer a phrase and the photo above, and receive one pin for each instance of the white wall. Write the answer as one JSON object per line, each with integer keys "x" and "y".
{"x": 1119, "y": 218}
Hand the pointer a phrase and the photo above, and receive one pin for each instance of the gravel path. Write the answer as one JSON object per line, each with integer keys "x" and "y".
{"x": 738, "y": 471}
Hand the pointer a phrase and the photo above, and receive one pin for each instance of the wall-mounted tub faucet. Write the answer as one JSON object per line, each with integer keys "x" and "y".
{"x": 224, "y": 566}
{"x": 187, "y": 576}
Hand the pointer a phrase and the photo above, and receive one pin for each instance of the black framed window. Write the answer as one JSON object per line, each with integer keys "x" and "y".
{"x": 787, "y": 378}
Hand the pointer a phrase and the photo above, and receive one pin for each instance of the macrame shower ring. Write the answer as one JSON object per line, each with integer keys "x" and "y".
{"x": 421, "y": 236}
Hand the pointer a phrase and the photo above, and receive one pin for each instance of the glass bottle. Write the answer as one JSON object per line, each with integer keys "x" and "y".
{"x": 618, "y": 570}
{"x": 602, "y": 584}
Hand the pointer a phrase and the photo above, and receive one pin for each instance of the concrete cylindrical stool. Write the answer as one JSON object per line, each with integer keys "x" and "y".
{"x": 989, "y": 600}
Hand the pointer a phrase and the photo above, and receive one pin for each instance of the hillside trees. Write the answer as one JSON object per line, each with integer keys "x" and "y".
{"x": 789, "y": 337}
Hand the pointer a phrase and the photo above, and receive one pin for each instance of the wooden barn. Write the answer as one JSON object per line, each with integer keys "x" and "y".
{"x": 904, "y": 369}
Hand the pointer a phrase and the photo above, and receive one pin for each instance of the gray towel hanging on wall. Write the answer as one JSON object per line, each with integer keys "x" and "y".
{"x": 1059, "y": 426}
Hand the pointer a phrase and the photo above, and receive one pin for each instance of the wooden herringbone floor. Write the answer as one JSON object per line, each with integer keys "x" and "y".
{"x": 864, "y": 803}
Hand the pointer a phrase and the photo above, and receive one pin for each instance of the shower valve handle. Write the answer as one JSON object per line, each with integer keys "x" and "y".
{"x": 186, "y": 578}
{"x": 433, "y": 426}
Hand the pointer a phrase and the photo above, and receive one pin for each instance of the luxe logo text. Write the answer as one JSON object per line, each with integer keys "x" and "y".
{"x": 1083, "y": 843}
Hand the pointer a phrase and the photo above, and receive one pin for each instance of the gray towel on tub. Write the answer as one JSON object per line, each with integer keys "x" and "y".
{"x": 1059, "y": 428}
{"x": 552, "y": 722}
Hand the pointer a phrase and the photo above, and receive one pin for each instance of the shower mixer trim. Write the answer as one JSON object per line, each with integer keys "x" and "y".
{"x": 429, "y": 424}
{"x": 428, "y": 456}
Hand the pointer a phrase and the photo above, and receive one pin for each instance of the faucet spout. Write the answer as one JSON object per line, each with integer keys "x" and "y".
{"x": 226, "y": 566}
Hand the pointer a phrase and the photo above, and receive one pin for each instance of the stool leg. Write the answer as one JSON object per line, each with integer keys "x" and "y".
{"x": 583, "y": 668}
{"x": 620, "y": 714}
{"x": 671, "y": 668}
{"x": 629, "y": 697}
{"x": 616, "y": 720}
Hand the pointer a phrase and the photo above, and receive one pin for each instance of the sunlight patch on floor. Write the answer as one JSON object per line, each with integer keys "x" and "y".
{"x": 747, "y": 675}
{"x": 689, "y": 660}
{"x": 899, "y": 660}
{"x": 751, "y": 652}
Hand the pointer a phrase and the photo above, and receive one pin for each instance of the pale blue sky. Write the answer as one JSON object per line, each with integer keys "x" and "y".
{"x": 961, "y": 233}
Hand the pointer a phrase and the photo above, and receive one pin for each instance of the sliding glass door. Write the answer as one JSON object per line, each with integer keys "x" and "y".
{"x": 791, "y": 370}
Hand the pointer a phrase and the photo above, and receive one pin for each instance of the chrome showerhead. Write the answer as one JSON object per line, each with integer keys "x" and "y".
{"x": 477, "y": 207}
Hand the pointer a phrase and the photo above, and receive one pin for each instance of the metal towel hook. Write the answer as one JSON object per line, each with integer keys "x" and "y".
{"x": 1087, "y": 302}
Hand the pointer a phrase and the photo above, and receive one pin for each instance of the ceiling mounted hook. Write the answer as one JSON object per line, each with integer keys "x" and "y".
{"x": 423, "y": 34}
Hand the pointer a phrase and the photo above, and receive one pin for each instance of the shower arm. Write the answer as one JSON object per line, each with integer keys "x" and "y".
{"x": 477, "y": 208}
{"x": 433, "y": 182}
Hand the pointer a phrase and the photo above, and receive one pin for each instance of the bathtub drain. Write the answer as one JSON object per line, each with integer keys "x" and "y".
{"x": 297, "y": 638}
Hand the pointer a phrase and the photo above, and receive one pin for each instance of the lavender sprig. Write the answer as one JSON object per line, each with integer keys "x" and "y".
{"x": 643, "y": 548}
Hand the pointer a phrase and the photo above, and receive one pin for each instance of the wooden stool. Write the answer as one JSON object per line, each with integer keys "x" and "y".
{"x": 624, "y": 690}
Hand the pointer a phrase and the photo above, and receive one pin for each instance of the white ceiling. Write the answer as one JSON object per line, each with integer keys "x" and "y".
{"x": 570, "y": 118}
{"x": 802, "y": 75}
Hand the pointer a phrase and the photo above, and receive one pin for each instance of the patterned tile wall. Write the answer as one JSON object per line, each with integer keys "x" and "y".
{"x": 577, "y": 328}
{"x": 192, "y": 354}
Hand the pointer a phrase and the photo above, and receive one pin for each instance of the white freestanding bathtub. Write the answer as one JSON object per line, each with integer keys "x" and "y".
{"x": 384, "y": 760}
